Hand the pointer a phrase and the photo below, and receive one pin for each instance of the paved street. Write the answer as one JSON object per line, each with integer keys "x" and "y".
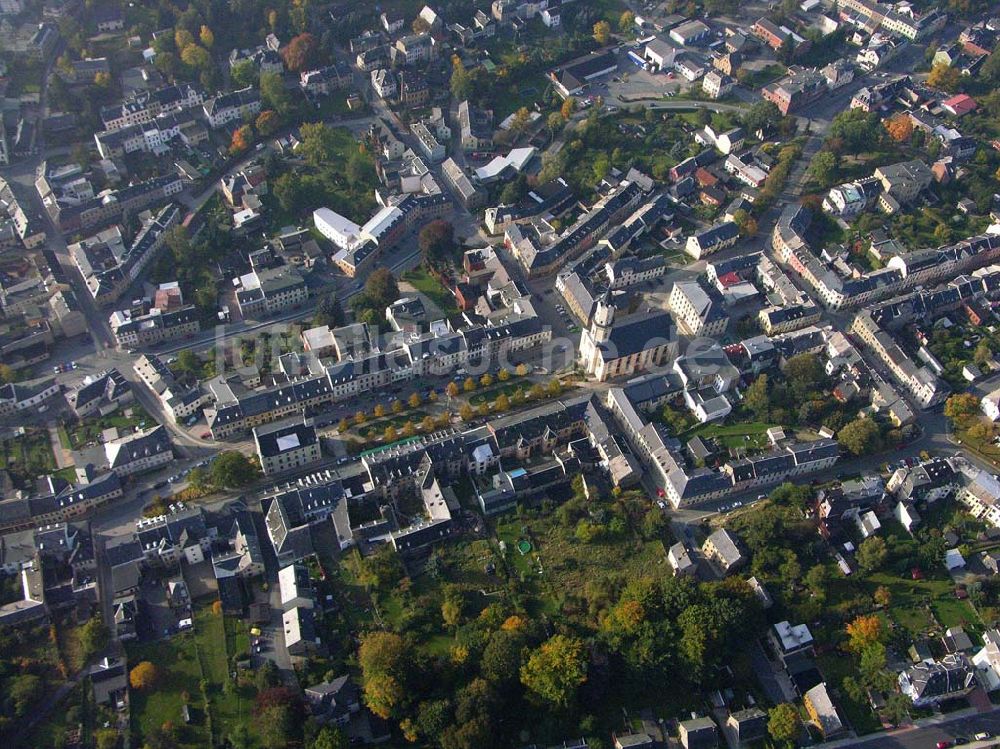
{"x": 927, "y": 733}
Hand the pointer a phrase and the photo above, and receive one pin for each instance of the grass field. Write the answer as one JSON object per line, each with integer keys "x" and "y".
{"x": 180, "y": 673}
{"x": 734, "y": 435}
{"x": 430, "y": 287}
{"x": 559, "y": 563}
{"x": 27, "y": 456}
{"x": 184, "y": 660}
{"x": 504, "y": 388}
{"x": 78, "y": 435}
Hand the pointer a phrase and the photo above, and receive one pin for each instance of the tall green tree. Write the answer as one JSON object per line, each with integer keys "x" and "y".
{"x": 555, "y": 670}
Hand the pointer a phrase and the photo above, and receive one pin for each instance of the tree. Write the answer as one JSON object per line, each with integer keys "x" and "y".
{"x": 555, "y": 670}
{"x": 384, "y": 659}
{"x": 381, "y": 288}
{"x": 961, "y": 407}
{"x": 863, "y": 632}
{"x": 983, "y": 353}
{"x": 7, "y": 374}
{"x": 522, "y": 118}
{"x": 944, "y": 77}
{"x": 183, "y": 39}
{"x": 461, "y": 81}
{"x": 602, "y": 32}
{"x": 783, "y": 723}
{"x": 144, "y": 676}
{"x": 360, "y": 417}
{"x": 24, "y": 691}
{"x": 451, "y": 607}
{"x": 469, "y": 385}
{"x": 626, "y": 21}
{"x": 745, "y": 223}
{"x": 436, "y": 242}
{"x": 267, "y": 122}
{"x": 396, "y": 406}
{"x": 275, "y": 96}
{"x": 243, "y": 74}
{"x": 233, "y": 469}
{"x": 330, "y": 738}
{"x": 757, "y": 399}
{"x": 329, "y": 312}
{"x": 804, "y": 373}
{"x": 106, "y": 738}
{"x": 515, "y": 190}
{"x": 196, "y": 57}
{"x": 860, "y": 437}
{"x": 466, "y": 412}
{"x": 763, "y": 115}
{"x": 300, "y": 53}
{"x": 502, "y": 403}
{"x": 390, "y": 435}
{"x": 94, "y": 637}
{"x": 379, "y": 411}
{"x": 899, "y": 127}
{"x": 242, "y": 137}
{"x": 883, "y": 596}
{"x": 414, "y": 400}
{"x": 207, "y": 37}
{"x": 816, "y": 579}
{"x": 486, "y": 380}
{"x": 427, "y": 424}
{"x": 343, "y": 425}
{"x": 568, "y": 107}
{"x": 276, "y": 725}
{"x": 102, "y": 79}
{"x": 554, "y": 122}
{"x": 521, "y": 370}
{"x": 871, "y": 554}
{"x": 823, "y": 168}
{"x": 897, "y": 708}
{"x": 452, "y": 389}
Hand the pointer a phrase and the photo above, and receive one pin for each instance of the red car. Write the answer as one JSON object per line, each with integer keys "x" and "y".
{"x": 943, "y": 744}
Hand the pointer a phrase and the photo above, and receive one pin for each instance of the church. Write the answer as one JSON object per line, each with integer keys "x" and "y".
{"x": 612, "y": 348}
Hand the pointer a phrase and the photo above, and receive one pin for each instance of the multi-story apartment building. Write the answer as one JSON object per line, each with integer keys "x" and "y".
{"x": 235, "y": 106}
{"x": 144, "y": 107}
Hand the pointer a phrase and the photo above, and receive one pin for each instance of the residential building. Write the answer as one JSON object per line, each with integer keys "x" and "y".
{"x": 822, "y": 712}
{"x": 235, "y": 106}
{"x": 139, "y": 452}
{"x": 286, "y": 447}
{"x": 929, "y": 683}
{"x": 795, "y": 91}
{"x": 723, "y": 548}
{"x": 699, "y": 311}
{"x": 715, "y": 238}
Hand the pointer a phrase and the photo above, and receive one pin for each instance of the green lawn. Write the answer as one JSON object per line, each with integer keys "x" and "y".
{"x": 430, "y": 287}
{"x": 184, "y": 660}
{"x": 27, "y": 456}
{"x": 180, "y": 673}
{"x": 504, "y": 388}
{"x": 733, "y": 435}
{"x": 90, "y": 429}
{"x": 559, "y": 565}
{"x": 926, "y": 605}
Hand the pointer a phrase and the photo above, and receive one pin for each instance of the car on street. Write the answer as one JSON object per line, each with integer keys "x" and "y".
{"x": 983, "y": 736}
{"x": 943, "y": 745}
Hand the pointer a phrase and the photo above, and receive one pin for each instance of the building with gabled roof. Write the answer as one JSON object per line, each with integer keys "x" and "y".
{"x": 140, "y": 452}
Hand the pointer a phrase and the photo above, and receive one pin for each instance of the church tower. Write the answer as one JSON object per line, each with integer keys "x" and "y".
{"x": 604, "y": 319}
